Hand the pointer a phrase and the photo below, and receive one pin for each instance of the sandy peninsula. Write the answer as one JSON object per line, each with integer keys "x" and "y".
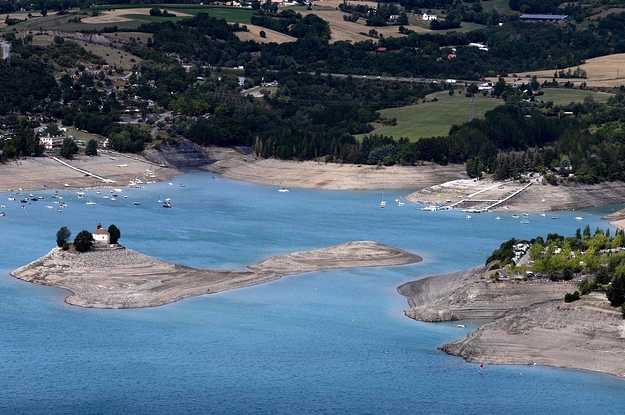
{"x": 123, "y": 278}
{"x": 531, "y": 322}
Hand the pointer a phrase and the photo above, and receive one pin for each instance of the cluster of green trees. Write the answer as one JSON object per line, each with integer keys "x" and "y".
{"x": 294, "y": 24}
{"x": 84, "y": 240}
{"x": 598, "y": 255}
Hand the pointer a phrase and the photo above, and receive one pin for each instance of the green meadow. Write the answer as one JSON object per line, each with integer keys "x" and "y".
{"x": 435, "y": 118}
{"x": 566, "y": 96}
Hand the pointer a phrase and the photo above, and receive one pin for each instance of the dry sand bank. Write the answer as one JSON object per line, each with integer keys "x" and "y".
{"x": 123, "y": 278}
{"x": 537, "y": 197}
{"x": 532, "y": 322}
{"x": 32, "y": 174}
{"x": 332, "y": 176}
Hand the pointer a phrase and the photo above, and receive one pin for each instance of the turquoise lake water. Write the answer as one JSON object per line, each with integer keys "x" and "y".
{"x": 330, "y": 342}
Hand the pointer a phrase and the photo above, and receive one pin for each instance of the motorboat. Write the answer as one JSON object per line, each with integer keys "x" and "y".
{"x": 283, "y": 190}
{"x": 166, "y": 204}
{"x": 136, "y": 203}
{"x": 578, "y": 218}
{"x": 91, "y": 203}
{"x": 498, "y": 218}
{"x": 515, "y": 216}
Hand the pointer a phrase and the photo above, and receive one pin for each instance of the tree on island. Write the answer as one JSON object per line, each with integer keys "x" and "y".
{"x": 84, "y": 241}
{"x": 114, "y": 233}
{"x": 62, "y": 236}
{"x": 68, "y": 148}
{"x": 92, "y": 148}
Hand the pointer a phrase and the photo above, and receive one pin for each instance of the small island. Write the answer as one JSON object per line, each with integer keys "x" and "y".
{"x": 567, "y": 315}
{"x": 110, "y": 276}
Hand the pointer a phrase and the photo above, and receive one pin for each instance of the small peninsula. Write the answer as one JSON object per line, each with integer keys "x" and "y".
{"x": 530, "y": 322}
{"x": 123, "y": 278}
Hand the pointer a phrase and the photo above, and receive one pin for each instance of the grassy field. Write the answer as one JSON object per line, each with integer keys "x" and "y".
{"x": 435, "y": 118}
{"x": 230, "y": 14}
{"x": 566, "y": 96}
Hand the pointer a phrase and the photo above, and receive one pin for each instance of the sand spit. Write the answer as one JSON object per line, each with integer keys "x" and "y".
{"x": 123, "y": 278}
{"x": 532, "y": 324}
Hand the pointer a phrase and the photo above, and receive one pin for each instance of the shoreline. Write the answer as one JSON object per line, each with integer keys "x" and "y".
{"x": 437, "y": 184}
{"x": 123, "y": 278}
{"x": 528, "y": 321}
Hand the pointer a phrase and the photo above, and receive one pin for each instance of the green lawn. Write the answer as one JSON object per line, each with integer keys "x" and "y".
{"x": 566, "y": 96}
{"x": 435, "y": 118}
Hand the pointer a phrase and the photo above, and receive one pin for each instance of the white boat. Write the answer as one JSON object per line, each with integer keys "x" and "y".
{"x": 171, "y": 184}
{"x": 181, "y": 185}
{"x": 49, "y": 207}
{"x": 2, "y": 206}
{"x": 525, "y": 222}
{"x": 2, "y": 214}
{"x": 461, "y": 326}
{"x": 498, "y": 218}
{"x": 91, "y": 203}
{"x": 543, "y": 214}
{"x": 468, "y": 216}
{"x": 136, "y": 203}
{"x": 555, "y": 217}
{"x": 515, "y": 216}
{"x": 105, "y": 197}
{"x": 382, "y": 204}
{"x": 578, "y": 218}
{"x": 283, "y": 190}
{"x": 80, "y": 193}
{"x": 11, "y": 199}
{"x": 113, "y": 198}
{"x": 118, "y": 190}
{"x": 166, "y": 204}
{"x": 400, "y": 203}
{"x": 80, "y": 196}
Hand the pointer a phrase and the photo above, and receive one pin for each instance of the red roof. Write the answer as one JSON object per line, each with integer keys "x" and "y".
{"x": 101, "y": 232}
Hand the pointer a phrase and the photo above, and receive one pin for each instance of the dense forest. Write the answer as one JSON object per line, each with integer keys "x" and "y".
{"x": 307, "y": 115}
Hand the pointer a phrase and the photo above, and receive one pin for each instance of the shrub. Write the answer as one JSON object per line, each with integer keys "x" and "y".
{"x": 65, "y": 246}
{"x": 569, "y": 298}
{"x": 84, "y": 241}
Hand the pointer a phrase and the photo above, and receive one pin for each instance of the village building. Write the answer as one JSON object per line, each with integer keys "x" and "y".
{"x": 101, "y": 235}
{"x": 556, "y": 18}
{"x": 51, "y": 143}
{"x": 429, "y": 15}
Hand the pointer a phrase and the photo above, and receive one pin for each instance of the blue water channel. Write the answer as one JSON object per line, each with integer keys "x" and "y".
{"x": 329, "y": 342}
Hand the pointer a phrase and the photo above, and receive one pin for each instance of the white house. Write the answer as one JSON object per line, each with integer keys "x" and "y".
{"x": 429, "y": 15}
{"x": 50, "y": 143}
{"x": 101, "y": 236}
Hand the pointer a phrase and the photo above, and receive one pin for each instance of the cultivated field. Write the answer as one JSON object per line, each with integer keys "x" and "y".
{"x": 607, "y": 71}
{"x": 434, "y": 118}
{"x": 270, "y": 35}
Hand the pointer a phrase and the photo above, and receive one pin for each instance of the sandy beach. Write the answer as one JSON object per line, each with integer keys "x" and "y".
{"x": 123, "y": 278}
{"x": 333, "y": 176}
{"x": 532, "y": 323}
{"x": 31, "y": 174}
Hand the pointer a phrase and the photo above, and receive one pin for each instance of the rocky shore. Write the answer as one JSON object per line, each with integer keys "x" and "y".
{"x": 531, "y": 322}
{"x": 123, "y": 278}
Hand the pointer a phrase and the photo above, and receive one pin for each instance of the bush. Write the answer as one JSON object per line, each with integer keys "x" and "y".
{"x": 65, "y": 246}
{"x": 62, "y": 236}
{"x": 115, "y": 233}
{"x": 84, "y": 241}
{"x": 569, "y": 298}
